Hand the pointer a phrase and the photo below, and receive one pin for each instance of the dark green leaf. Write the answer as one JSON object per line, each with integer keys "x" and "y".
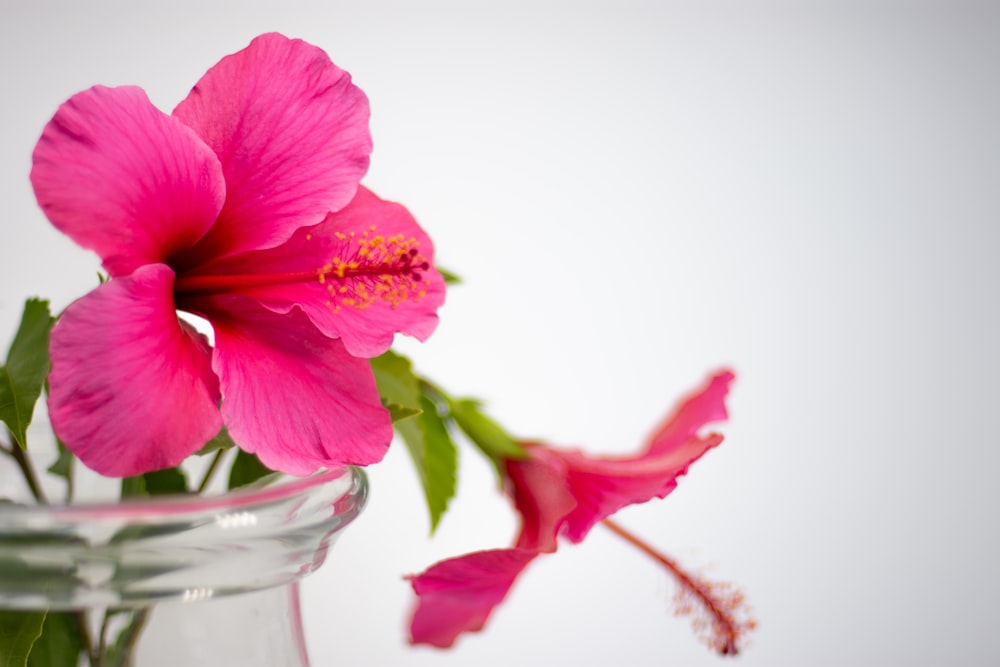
{"x": 434, "y": 456}
{"x": 485, "y": 433}
{"x": 18, "y": 632}
{"x": 168, "y": 481}
{"x": 22, "y": 377}
{"x": 247, "y": 469}
{"x": 156, "y": 483}
{"x": 60, "y": 644}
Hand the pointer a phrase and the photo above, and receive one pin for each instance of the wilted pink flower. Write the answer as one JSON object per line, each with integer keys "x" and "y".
{"x": 242, "y": 207}
{"x": 560, "y": 492}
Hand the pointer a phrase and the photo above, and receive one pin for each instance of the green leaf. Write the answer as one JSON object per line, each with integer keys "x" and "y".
{"x": 134, "y": 486}
{"x": 399, "y": 412}
{"x": 63, "y": 466}
{"x": 222, "y": 440}
{"x": 22, "y": 377}
{"x": 19, "y": 630}
{"x": 417, "y": 420}
{"x": 164, "y": 482}
{"x": 485, "y": 433}
{"x": 60, "y": 644}
{"x": 397, "y": 385}
{"x": 434, "y": 456}
{"x": 156, "y": 483}
{"x": 247, "y": 469}
{"x": 449, "y": 277}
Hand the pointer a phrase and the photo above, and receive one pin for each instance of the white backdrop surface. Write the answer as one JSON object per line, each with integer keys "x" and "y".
{"x": 636, "y": 194}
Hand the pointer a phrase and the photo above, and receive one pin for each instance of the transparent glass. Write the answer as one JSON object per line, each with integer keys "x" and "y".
{"x": 189, "y": 580}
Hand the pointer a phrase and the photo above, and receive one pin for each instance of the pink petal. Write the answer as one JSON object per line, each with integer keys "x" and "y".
{"x": 291, "y": 131}
{"x": 131, "y": 387}
{"x": 538, "y": 488}
{"x": 458, "y": 595}
{"x": 701, "y": 407}
{"x": 386, "y": 292}
{"x": 602, "y": 486}
{"x": 124, "y": 179}
{"x": 290, "y": 394}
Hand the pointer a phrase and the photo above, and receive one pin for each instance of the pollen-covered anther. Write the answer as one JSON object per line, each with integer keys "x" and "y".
{"x": 373, "y": 268}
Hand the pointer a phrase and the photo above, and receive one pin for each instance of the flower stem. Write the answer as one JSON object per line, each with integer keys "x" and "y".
{"x": 83, "y": 629}
{"x": 123, "y": 651}
{"x": 134, "y": 630}
{"x": 24, "y": 463}
{"x": 728, "y": 630}
{"x": 212, "y": 467}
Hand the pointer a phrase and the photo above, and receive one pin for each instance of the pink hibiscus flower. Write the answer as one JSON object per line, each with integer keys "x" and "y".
{"x": 560, "y": 492}
{"x": 242, "y": 207}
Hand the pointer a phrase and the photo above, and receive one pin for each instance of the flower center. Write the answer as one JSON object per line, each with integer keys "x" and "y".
{"x": 365, "y": 268}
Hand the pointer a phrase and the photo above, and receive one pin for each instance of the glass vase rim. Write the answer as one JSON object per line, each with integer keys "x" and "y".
{"x": 173, "y": 548}
{"x": 171, "y": 505}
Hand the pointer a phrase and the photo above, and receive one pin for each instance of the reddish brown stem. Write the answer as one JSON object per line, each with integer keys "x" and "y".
{"x": 24, "y": 463}
{"x": 696, "y": 588}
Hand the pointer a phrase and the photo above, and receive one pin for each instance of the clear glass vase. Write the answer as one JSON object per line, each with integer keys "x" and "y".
{"x": 182, "y": 581}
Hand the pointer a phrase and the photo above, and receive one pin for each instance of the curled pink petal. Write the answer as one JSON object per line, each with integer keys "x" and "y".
{"x": 602, "y": 486}
{"x": 703, "y": 406}
{"x": 389, "y": 283}
{"x": 291, "y": 131}
{"x": 112, "y": 351}
{"x": 458, "y": 595}
{"x": 292, "y": 396}
{"x": 124, "y": 179}
{"x": 538, "y": 487}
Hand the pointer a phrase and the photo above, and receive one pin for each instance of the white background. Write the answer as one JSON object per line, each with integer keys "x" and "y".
{"x": 637, "y": 194}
